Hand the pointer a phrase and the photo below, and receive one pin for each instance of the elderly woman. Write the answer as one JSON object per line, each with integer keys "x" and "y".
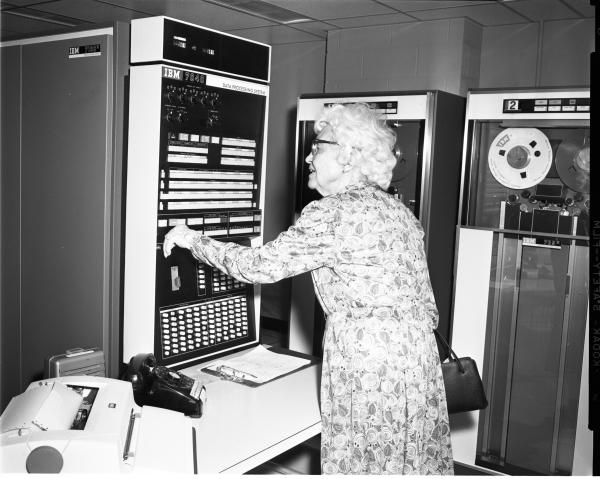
{"x": 383, "y": 403}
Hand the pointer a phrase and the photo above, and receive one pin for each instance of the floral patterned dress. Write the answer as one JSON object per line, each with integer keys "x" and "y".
{"x": 383, "y": 403}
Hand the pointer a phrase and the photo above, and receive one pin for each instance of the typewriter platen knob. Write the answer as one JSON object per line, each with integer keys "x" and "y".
{"x": 44, "y": 459}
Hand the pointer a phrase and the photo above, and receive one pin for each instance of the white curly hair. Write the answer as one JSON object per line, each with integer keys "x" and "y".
{"x": 366, "y": 138}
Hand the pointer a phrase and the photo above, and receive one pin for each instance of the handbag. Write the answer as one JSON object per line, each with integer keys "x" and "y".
{"x": 464, "y": 389}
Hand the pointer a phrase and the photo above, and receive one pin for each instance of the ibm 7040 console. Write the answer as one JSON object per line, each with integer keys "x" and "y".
{"x": 198, "y": 114}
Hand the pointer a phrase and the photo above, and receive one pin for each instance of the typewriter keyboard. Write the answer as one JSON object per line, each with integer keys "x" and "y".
{"x": 198, "y": 326}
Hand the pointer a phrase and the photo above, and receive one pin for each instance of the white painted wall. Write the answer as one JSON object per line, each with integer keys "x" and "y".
{"x": 440, "y": 54}
{"x": 544, "y": 54}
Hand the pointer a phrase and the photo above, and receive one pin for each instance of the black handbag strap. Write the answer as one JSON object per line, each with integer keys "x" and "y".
{"x": 452, "y": 354}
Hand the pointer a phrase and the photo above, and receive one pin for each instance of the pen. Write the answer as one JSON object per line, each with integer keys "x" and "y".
{"x": 227, "y": 372}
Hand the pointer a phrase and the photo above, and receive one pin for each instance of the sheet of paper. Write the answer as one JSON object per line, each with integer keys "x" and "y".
{"x": 260, "y": 365}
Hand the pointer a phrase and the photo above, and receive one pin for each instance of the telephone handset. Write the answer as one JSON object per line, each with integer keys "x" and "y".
{"x": 160, "y": 386}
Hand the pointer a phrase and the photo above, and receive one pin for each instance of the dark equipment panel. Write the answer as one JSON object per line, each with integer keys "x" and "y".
{"x": 210, "y": 165}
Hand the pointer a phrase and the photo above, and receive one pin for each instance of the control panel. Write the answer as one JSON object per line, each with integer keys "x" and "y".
{"x": 210, "y": 156}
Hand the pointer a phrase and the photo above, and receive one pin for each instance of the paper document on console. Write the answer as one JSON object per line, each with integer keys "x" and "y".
{"x": 256, "y": 366}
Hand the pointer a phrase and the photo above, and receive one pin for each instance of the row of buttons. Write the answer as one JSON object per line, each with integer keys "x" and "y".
{"x": 201, "y": 280}
{"x": 223, "y": 282}
{"x": 191, "y": 328}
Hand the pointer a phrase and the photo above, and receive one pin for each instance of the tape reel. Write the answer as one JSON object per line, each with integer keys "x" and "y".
{"x": 573, "y": 166}
{"x": 520, "y": 158}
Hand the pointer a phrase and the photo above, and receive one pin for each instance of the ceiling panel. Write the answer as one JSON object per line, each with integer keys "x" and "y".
{"x": 416, "y": 5}
{"x": 277, "y": 35}
{"x": 90, "y": 10}
{"x": 52, "y": 20}
{"x": 318, "y": 29}
{"x": 538, "y": 10}
{"x": 328, "y": 9}
{"x": 20, "y": 3}
{"x": 583, "y": 7}
{"x": 486, "y": 15}
{"x": 196, "y": 11}
{"x": 14, "y": 27}
{"x": 214, "y": 16}
{"x": 371, "y": 20}
{"x": 263, "y": 9}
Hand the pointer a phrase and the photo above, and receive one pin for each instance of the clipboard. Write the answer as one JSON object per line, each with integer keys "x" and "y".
{"x": 244, "y": 369}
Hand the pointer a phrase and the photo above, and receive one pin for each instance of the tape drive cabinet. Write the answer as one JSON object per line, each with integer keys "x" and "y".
{"x": 521, "y": 303}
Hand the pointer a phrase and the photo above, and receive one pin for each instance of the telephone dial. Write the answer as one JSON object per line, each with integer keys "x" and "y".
{"x": 160, "y": 386}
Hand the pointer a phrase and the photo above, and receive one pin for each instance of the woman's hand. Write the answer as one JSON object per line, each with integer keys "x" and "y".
{"x": 180, "y": 236}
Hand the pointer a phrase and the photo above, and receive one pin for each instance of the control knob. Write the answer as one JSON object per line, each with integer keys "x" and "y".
{"x": 170, "y": 97}
{"x": 213, "y": 100}
{"x": 170, "y": 116}
{"x": 512, "y": 199}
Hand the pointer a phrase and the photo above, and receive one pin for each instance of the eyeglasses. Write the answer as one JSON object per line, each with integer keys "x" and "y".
{"x": 314, "y": 147}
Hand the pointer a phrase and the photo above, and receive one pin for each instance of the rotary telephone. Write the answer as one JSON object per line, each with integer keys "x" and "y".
{"x": 160, "y": 386}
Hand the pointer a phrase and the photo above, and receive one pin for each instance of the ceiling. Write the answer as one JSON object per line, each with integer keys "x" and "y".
{"x": 288, "y": 21}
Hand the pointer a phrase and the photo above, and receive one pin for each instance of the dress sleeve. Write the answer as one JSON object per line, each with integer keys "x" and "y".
{"x": 305, "y": 246}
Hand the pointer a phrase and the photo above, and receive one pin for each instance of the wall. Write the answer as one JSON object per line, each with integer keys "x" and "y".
{"x": 437, "y": 55}
{"x": 458, "y": 54}
{"x": 500, "y": 66}
{"x": 544, "y": 54}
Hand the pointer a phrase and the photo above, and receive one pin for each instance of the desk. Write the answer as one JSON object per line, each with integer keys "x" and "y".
{"x": 242, "y": 427}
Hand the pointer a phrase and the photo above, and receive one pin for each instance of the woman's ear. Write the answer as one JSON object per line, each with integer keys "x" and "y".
{"x": 354, "y": 159}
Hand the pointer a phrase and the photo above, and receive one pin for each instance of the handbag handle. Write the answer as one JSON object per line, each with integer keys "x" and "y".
{"x": 452, "y": 354}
